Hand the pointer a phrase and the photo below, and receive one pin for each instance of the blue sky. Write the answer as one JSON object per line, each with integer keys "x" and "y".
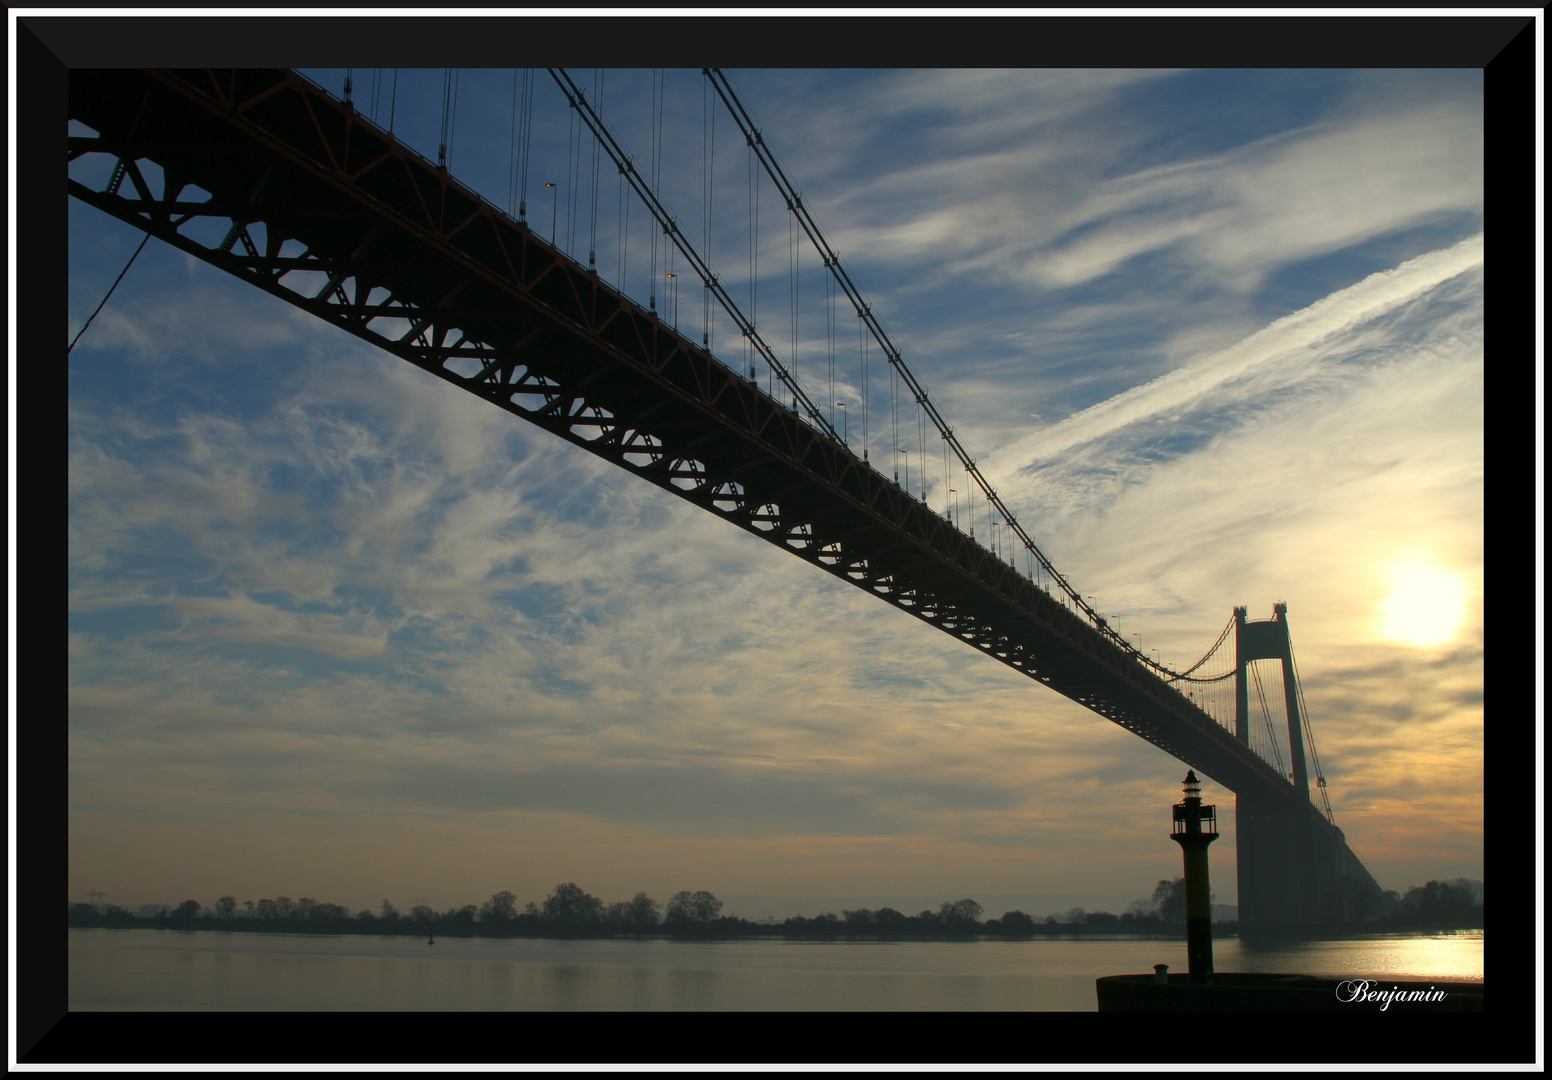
{"x": 341, "y": 630}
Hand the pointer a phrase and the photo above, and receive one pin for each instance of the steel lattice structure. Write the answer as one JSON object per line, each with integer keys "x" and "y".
{"x": 403, "y": 256}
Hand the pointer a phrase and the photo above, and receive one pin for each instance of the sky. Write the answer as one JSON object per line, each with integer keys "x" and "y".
{"x": 339, "y": 629}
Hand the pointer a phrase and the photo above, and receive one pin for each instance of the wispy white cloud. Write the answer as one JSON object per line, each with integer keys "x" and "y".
{"x": 1285, "y": 341}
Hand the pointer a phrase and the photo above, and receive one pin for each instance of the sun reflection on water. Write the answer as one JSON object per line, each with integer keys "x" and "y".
{"x": 1453, "y": 954}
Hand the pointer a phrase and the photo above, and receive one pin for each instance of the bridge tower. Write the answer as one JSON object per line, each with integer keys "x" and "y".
{"x": 1283, "y": 880}
{"x": 1295, "y": 868}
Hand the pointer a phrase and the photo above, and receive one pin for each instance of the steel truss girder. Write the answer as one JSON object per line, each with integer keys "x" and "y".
{"x": 479, "y": 301}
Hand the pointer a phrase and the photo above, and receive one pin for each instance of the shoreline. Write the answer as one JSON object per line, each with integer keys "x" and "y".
{"x": 751, "y": 932}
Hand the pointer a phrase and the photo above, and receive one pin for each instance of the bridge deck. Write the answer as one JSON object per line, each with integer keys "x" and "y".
{"x": 401, "y": 255}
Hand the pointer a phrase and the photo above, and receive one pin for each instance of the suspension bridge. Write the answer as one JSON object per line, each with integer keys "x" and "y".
{"x": 312, "y": 197}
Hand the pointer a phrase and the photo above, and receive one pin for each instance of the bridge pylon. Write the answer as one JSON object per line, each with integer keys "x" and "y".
{"x": 1294, "y": 866}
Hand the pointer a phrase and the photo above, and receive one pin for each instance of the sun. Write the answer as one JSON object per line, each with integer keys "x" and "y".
{"x": 1426, "y": 605}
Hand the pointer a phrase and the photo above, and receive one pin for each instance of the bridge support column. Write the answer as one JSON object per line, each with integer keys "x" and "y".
{"x": 1270, "y": 874}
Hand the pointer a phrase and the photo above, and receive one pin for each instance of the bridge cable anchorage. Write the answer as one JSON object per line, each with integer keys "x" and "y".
{"x": 703, "y": 270}
{"x": 741, "y": 116}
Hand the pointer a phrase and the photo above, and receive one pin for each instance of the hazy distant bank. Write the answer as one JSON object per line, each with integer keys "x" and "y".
{"x": 818, "y": 928}
{"x": 571, "y": 912}
{"x": 724, "y": 928}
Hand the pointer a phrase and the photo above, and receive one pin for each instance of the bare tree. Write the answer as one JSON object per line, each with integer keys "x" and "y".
{"x": 642, "y": 911}
{"x": 960, "y": 914}
{"x": 697, "y": 908}
{"x": 568, "y": 904}
{"x": 500, "y": 908}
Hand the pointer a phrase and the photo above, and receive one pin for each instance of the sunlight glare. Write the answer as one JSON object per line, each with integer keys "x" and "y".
{"x": 1426, "y": 605}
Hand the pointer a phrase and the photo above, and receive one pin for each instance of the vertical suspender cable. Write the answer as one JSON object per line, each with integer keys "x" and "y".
{"x": 830, "y": 342}
{"x": 592, "y": 241}
{"x": 792, "y": 269}
{"x": 894, "y": 419}
{"x": 755, "y": 247}
{"x": 528, "y": 111}
{"x": 452, "y": 122}
{"x": 946, "y": 512}
{"x": 864, "y": 340}
{"x": 572, "y": 150}
{"x": 447, "y": 93}
{"x": 622, "y": 227}
{"x": 657, "y": 180}
{"x": 393, "y": 101}
{"x": 512, "y": 153}
{"x": 707, "y": 173}
{"x": 675, "y": 236}
{"x": 1309, "y": 733}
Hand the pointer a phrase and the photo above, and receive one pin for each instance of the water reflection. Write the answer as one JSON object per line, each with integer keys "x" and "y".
{"x": 1456, "y": 954}
{"x": 139, "y": 969}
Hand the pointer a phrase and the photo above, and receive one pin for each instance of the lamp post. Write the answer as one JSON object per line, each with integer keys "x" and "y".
{"x": 845, "y": 421}
{"x": 554, "y": 204}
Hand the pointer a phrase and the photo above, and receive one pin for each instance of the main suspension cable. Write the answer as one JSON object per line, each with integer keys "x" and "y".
{"x": 794, "y": 201}
{"x": 578, "y": 101}
{"x": 1185, "y": 676}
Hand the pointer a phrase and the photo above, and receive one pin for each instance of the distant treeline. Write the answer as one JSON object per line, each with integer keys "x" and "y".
{"x": 1445, "y": 905}
{"x": 569, "y": 911}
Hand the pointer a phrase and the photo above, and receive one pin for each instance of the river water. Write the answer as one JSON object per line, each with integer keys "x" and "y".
{"x": 163, "y": 970}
